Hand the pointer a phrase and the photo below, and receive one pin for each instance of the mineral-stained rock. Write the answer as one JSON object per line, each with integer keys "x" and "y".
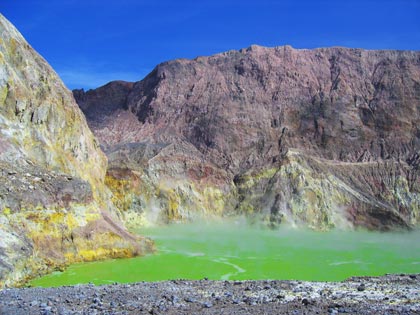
{"x": 54, "y": 206}
{"x": 325, "y": 137}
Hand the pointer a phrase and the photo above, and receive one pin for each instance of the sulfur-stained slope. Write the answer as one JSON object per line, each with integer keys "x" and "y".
{"x": 54, "y": 207}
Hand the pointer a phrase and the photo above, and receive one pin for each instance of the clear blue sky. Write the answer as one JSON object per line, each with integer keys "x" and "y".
{"x": 91, "y": 42}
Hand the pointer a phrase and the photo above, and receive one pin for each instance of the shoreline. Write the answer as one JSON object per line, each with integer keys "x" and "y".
{"x": 389, "y": 294}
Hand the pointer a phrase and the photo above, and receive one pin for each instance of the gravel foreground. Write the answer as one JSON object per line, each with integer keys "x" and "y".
{"x": 390, "y": 294}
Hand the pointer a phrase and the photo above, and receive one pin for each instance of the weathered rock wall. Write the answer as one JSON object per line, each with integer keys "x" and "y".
{"x": 324, "y": 137}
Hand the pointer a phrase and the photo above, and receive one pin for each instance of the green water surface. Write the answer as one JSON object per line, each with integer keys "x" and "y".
{"x": 232, "y": 251}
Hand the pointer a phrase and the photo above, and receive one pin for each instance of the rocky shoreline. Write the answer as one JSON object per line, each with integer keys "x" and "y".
{"x": 390, "y": 294}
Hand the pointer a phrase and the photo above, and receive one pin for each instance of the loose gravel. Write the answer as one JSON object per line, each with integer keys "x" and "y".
{"x": 390, "y": 294}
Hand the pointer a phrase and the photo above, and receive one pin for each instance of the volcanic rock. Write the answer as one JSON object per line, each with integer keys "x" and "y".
{"x": 325, "y": 138}
{"x": 54, "y": 206}
{"x": 391, "y": 294}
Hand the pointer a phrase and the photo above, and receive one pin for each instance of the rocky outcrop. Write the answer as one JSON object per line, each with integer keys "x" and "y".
{"x": 54, "y": 206}
{"x": 325, "y": 137}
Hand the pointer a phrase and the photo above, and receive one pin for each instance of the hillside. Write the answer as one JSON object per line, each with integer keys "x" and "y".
{"x": 54, "y": 206}
{"x": 323, "y": 138}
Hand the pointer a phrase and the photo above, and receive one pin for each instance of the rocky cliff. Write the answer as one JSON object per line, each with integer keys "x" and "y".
{"x": 54, "y": 206}
{"x": 326, "y": 137}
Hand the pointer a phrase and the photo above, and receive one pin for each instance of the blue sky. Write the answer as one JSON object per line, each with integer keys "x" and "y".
{"x": 91, "y": 42}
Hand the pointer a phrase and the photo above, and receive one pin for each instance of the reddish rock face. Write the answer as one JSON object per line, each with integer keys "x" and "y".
{"x": 345, "y": 117}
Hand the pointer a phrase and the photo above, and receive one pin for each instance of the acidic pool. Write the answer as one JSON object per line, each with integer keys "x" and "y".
{"x": 233, "y": 251}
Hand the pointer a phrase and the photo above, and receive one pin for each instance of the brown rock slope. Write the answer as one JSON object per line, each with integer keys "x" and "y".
{"x": 54, "y": 206}
{"x": 324, "y": 137}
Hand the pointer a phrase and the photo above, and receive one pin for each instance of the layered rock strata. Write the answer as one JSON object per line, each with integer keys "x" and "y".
{"x": 326, "y": 137}
{"x": 54, "y": 206}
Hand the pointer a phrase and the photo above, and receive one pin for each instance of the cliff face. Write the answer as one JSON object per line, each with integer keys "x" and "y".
{"x": 54, "y": 206}
{"x": 325, "y": 137}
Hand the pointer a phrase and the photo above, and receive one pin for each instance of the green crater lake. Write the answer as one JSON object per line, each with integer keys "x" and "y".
{"x": 236, "y": 251}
